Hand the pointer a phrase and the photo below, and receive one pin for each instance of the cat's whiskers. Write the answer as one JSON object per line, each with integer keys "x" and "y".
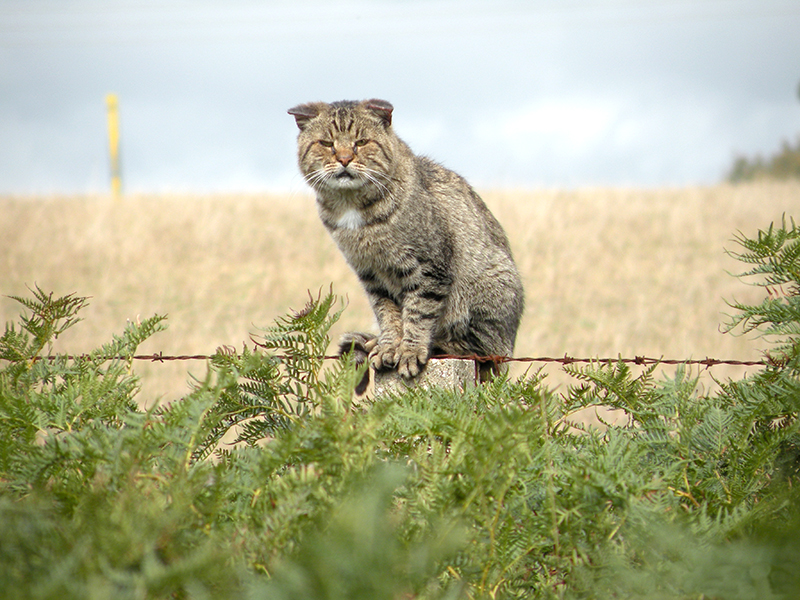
{"x": 378, "y": 184}
{"x": 373, "y": 176}
{"x": 327, "y": 176}
{"x": 318, "y": 176}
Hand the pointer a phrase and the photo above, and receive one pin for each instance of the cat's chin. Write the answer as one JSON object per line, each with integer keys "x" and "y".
{"x": 345, "y": 182}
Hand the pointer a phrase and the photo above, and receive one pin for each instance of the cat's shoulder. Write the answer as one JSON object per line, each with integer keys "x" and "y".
{"x": 437, "y": 177}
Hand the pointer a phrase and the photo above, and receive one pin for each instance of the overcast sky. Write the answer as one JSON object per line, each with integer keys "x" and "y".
{"x": 556, "y": 93}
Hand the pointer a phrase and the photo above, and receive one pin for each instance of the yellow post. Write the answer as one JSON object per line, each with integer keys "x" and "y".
{"x": 113, "y": 143}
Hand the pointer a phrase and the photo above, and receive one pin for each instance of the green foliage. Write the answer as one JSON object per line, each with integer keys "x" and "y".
{"x": 267, "y": 481}
{"x": 784, "y": 164}
{"x": 775, "y": 259}
{"x": 277, "y": 387}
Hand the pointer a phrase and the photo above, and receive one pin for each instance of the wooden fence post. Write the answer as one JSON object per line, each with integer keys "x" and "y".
{"x": 112, "y": 105}
{"x": 451, "y": 373}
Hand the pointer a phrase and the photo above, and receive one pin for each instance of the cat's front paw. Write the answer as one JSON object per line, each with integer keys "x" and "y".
{"x": 408, "y": 359}
{"x": 384, "y": 355}
{"x": 411, "y": 360}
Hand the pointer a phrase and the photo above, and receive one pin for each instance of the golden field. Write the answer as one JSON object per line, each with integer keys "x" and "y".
{"x": 607, "y": 272}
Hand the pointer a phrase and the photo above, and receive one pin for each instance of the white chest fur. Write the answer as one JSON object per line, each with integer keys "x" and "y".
{"x": 350, "y": 219}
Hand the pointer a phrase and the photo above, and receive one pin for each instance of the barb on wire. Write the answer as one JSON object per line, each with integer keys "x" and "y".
{"x": 160, "y": 357}
{"x": 637, "y": 360}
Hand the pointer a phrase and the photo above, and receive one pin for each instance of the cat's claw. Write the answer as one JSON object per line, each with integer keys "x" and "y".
{"x": 409, "y": 360}
{"x": 411, "y": 364}
{"x": 384, "y": 356}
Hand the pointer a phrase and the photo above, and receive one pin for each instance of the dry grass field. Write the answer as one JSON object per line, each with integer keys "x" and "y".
{"x": 607, "y": 272}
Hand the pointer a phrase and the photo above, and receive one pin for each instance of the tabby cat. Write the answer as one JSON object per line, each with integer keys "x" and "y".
{"x": 433, "y": 260}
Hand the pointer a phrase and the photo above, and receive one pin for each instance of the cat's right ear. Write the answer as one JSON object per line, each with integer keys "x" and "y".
{"x": 382, "y": 109}
{"x": 303, "y": 113}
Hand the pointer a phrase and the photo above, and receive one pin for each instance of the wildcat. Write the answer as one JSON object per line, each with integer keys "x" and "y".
{"x": 434, "y": 262}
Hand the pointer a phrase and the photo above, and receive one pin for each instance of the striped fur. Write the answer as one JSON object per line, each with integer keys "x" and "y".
{"x": 434, "y": 262}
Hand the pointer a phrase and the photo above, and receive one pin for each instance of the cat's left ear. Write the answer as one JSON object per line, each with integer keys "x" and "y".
{"x": 303, "y": 113}
{"x": 382, "y": 108}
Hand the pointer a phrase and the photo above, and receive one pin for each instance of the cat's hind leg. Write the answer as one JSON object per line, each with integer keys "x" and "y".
{"x": 360, "y": 344}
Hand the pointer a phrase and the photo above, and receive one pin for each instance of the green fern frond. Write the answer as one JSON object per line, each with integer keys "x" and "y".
{"x": 49, "y": 317}
{"x": 268, "y": 480}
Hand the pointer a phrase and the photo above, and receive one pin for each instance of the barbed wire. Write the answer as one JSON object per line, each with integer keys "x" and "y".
{"x": 565, "y": 360}
{"x": 636, "y": 360}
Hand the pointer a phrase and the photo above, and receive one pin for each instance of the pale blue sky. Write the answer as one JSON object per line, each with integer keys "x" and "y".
{"x": 556, "y": 93}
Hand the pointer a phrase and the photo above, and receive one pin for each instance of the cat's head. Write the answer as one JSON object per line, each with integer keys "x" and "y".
{"x": 345, "y": 145}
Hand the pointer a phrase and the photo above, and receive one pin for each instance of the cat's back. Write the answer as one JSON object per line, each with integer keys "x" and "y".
{"x": 457, "y": 203}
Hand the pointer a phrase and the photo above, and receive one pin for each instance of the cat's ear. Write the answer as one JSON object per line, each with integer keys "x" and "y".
{"x": 382, "y": 108}
{"x": 303, "y": 113}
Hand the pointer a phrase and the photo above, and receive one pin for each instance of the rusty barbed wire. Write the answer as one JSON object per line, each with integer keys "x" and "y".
{"x": 637, "y": 360}
{"x": 565, "y": 360}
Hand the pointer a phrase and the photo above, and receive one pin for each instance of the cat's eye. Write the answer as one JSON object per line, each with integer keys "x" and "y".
{"x": 326, "y": 143}
{"x": 360, "y": 143}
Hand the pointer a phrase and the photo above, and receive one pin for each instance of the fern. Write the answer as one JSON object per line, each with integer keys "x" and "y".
{"x": 260, "y": 393}
{"x": 302, "y": 339}
{"x": 775, "y": 254}
{"x": 49, "y": 318}
{"x": 267, "y": 480}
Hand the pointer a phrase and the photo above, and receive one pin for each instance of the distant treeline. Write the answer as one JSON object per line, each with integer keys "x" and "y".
{"x": 784, "y": 164}
{"x": 781, "y": 165}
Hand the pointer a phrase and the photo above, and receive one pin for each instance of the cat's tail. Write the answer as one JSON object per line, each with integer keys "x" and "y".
{"x": 360, "y": 345}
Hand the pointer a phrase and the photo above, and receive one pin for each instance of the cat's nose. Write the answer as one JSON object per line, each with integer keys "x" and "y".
{"x": 345, "y": 157}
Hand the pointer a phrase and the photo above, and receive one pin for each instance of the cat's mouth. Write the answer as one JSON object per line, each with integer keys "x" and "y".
{"x": 346, "y": 179}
